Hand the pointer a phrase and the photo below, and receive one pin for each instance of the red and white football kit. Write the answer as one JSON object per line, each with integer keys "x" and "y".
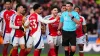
{"x": 51, "y": 31}
{"x": 5, "y": 15}
{"x": 17, "y": 34}
{"x": 81, "y": 39}
{"x": 34, "y": 23}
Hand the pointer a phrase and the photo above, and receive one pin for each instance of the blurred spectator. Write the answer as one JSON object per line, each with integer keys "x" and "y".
{"x": 1, "y": 5}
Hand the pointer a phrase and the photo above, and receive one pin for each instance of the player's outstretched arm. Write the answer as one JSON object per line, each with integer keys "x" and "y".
{"x": 46, "y": 21}
{"x": 85, "y": 28}
{"x": 26, "y": 23}
{"x": 59, "y": 28}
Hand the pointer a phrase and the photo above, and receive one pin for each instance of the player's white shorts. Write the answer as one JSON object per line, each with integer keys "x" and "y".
{"x": 37, "y": 42}
{"x": 81, "y": 40}
{"x": 7, "y": 38}
{"x": 18, "y": 41}
{"x": 57, "y": 40}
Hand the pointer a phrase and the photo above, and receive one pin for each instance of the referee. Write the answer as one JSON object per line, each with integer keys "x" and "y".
{"x": 68, "y": 22}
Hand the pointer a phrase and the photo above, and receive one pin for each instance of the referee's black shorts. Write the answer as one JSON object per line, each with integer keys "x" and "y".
{"x": 68, "y": 37}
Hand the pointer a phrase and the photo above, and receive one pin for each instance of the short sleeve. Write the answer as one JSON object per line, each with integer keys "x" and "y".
{"x": 0, "y": 26}
{"x": 77, "y": 16}
{"x": 62, "y": 18}
{"x": 84, "y": 21}
{"x": 1, "y": 14}
{"x": 12, "y": 17}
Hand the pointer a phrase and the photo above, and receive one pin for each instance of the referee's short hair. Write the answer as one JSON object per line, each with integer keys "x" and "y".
{"x": 63, "y": 5}
{"x": 70, "y": 3}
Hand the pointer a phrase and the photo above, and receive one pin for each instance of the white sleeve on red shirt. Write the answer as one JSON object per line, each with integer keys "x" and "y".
{"x": 47, "y": 17}
{"x": 1, "y": 17}
{"x": 84, "y": 21}
{"x": 12, "y": 22}
{"x": 0, "y": 26}
{"x": 27, "y": 17}
{"x": 45, "y": 21}
{"x": 0, "y": 23}
{"x": 1, "y": 14}
{"x": 26, "y": 22}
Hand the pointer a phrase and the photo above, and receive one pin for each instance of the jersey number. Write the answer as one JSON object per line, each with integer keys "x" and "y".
{"x": 34, "y": 25}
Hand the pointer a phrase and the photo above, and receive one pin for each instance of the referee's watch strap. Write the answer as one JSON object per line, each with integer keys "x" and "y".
{"x": 72, "y": 17}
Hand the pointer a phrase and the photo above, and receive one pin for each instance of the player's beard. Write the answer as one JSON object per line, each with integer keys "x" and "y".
{"x": 8, "y": 8}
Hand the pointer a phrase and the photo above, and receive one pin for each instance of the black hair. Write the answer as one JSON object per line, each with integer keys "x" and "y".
{"x": 36, "y": 6}
{"x": 70, "y": 3}
{"x": 63, "y": 5}
{"x": 52, "y": 7}
{"x": 17, "y": 1}
{"x": 24, "y": 6}
{"x": 7, "y": 1}
{"x": 77, "y": 7}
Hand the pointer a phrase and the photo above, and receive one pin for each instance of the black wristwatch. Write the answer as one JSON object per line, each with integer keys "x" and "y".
{"x": 72, "y": 17}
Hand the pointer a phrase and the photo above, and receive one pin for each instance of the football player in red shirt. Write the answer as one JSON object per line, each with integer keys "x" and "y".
{"x": 81, "y": 38}
{"x": 17, "y": 34}
{"x": 27, "y": 32}
{"x": 34, "y": 23}
{"x": 5, "y": 18}
{"x": 54, "y": 40}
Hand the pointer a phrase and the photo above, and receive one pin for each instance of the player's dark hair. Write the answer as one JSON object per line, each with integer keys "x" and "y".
{"x": 70, "y": 3}
{"x": 77, "y": 7}
{"x": 36, "y": 6}
{"x": 25, "y": 7}
{"x": 7, "y": 1}
{"x": 18, "y": 5}
{"x": 52, "y": 7}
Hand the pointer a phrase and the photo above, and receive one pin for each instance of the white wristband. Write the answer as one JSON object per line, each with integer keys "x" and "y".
{"x": 85, "y": 33}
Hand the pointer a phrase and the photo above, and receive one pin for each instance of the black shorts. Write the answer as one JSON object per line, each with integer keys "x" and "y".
{"x": 68, "y": 37}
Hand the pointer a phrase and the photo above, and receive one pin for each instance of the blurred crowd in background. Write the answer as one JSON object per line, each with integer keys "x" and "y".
{"x": 90, "y": 9}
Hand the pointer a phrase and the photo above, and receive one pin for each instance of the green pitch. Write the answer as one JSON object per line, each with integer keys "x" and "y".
{"x": 63, "y": 55}
{"x": 74, "y": 55}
